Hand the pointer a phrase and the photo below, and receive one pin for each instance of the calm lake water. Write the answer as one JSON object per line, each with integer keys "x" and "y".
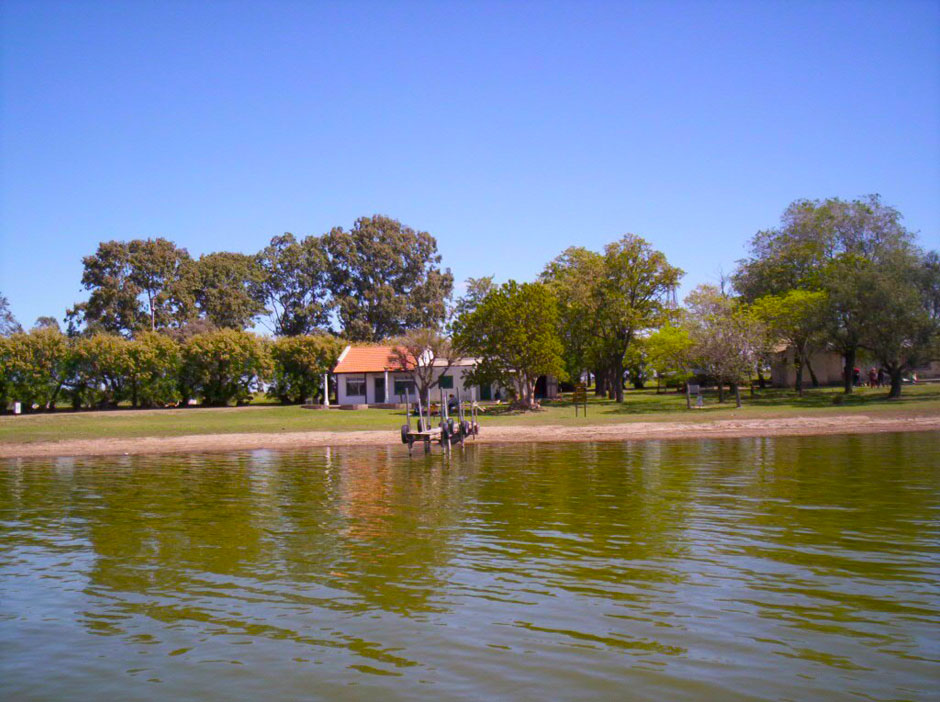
{"x": 778, "y": 569}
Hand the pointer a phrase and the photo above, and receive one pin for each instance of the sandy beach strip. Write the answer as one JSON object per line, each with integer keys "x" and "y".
{"x": 633, "y": 431}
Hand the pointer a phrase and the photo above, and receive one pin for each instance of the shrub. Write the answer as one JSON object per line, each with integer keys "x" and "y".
{"x": 223, "y": 365}
{"x": 298, "y": 364}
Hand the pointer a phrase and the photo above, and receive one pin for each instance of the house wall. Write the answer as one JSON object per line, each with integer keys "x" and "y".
{"x": 344, "y": 398}
{"x": 826, "y": 364}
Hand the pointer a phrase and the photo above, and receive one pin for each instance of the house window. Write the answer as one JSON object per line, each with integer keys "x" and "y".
{"x": 404, "y": 386}
{"x": 446, "y": 382}
{"x": 356, "y": 387}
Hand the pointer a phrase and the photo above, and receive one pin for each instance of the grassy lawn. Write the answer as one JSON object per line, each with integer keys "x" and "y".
{"x": 639, "y": 405}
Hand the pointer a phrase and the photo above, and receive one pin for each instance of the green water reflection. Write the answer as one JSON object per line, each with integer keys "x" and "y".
{"x": 789, "y": 568}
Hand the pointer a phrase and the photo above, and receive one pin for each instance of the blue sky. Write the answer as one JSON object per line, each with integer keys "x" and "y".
{"x": 509, "y": 130}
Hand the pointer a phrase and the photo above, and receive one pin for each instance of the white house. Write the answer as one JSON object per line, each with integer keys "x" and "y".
{"x": 371, "y": 375}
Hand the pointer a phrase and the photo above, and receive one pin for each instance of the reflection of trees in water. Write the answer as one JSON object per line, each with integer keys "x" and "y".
{"x": 586, "y": 511}
{"x": 218, "y": 540}
{"x": 400, "y": 520}
{"x": 813, "y": 496}
{"x": 823, "y": 534}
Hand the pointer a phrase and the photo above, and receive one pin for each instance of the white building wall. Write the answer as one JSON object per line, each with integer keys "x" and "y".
{"x": 458, "y": 374}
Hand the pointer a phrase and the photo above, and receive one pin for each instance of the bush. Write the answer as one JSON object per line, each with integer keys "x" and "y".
{"x": 33, "y": 367}
{"x": 298, "y": 364}
{"x": 153, "y": 379}
{"x": 223, "y": 366}
{"x": 99, "y": 370}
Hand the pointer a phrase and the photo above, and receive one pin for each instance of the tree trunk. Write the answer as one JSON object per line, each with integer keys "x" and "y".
{"x": 736, "y": 389}
{"x": 895, "y": 372}
{"x": 600, "y": 383}
{"x": 721, "y": 391}
{"x": 618, "y": 369}
{"x": 849, "y": 370}
{"x": 798, "y": 385}
{"x": 813, "y": 379}
{"x": 611, "y": 385}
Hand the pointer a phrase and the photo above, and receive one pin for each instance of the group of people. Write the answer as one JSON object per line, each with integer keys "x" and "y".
{"x": 877, "y": 377}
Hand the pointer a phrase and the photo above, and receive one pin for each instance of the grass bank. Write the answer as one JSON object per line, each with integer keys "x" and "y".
{"x": 639, "y": 406}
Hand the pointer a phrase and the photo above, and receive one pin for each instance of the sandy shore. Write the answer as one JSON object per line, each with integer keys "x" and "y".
{"x": 634, "y": 431}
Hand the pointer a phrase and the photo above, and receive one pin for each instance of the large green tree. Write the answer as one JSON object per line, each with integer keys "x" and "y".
{"x": 574, "y": 277}
{"x": 902, "y": 324}
{"x": 825, "y": 245}
{"x": 514, "y": 334}
{"x": 134, "y": 285}
{"x": 224, "y": 288}
{"x": 385, "y": 279}
{"x": 293, "y": 285}
{"x": 610, "y": 299}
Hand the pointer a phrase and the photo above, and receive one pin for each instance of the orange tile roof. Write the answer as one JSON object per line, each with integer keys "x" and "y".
{"x": 367, "y": 359}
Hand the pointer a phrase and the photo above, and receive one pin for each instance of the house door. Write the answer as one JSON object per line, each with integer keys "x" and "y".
{"x": 379, "y": 390}
{"x": 485, "y": 392}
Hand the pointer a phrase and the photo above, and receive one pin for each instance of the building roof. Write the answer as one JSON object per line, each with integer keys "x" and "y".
{"x": 367, "y": 359}
{"x": 377, "y": 359}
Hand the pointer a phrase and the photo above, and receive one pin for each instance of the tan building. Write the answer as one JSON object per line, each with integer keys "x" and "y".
{"x": 827, "y": 365}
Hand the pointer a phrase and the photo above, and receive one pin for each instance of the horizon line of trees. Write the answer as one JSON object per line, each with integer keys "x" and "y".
{"x": 836, "y": 275}
{"x": 376, "y": 280}
{"x": 44, "y": 368}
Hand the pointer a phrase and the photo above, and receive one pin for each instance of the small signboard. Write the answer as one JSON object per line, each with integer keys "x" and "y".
{"x": 693, "y": 390}
{"x": 580, "y": 398}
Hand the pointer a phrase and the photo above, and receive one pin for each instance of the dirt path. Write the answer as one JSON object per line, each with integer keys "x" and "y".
{"x": 634, "y": 431}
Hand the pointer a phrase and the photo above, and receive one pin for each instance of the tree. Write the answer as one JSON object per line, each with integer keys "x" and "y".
{"x": 224, "y": 287}
{"x": 668, "y": 352}
{"x": 727, "y": 339}
{"x": 134, "y": 286}
{"x": 222, "y": 366}
{"x": 100, "y": 368}
{"x": 293, "y": 285}
{"x": 8, "y": 323}
{"x": 385, "y": 279}
{"x": 34, "y": 367}
{"x": 797, "y": 318}
{"x": 154, "y": 367}
{"x": 298, "y": 365}
{"x": 476, "y": 290}
{"x": 514, "y": 334}
{"x": 426, "y": 354}
{"x": 45, "y": 322}
{"x": 627, "y": 291}
{"x": 574, "y": 277}
{"x": 902, "y": 327}
{"x": 825, "y": 245}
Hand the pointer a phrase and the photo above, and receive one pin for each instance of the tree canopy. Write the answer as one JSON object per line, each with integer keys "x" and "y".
{"x": 609, "y": 299}
{"x": 513, "y": 333}
{"x": 385, "y": 279}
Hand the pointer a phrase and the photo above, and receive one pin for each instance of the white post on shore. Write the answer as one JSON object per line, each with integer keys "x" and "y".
{"x": 388, "y": 390}
{"x": 326, "y": 389}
